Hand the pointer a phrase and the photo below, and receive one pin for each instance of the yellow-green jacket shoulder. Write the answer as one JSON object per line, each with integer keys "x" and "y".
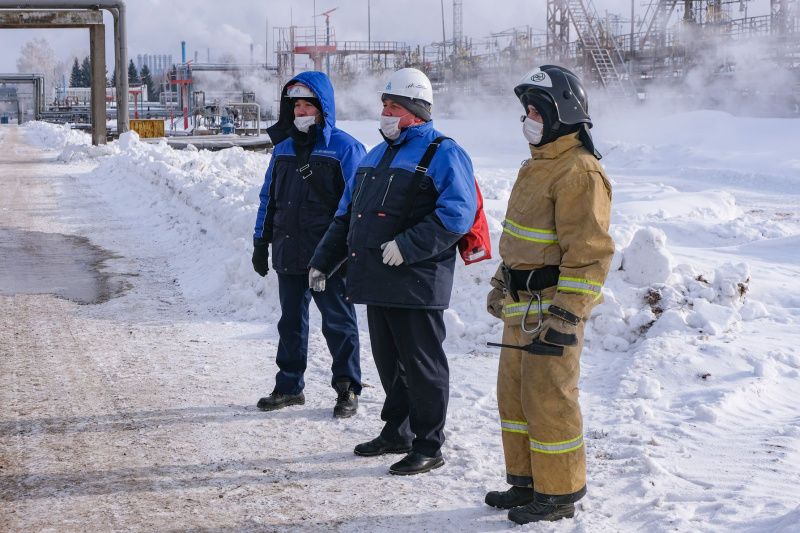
{"x": 559, "y": 213}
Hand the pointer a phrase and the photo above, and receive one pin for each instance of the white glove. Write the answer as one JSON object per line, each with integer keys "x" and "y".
{"x": 391, "y": 254}
{"x": 316, "y": 280}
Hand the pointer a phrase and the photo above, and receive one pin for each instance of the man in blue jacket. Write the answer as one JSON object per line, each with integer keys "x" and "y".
{"x": 312, "y": 164}
{"x": 401, "y": 267}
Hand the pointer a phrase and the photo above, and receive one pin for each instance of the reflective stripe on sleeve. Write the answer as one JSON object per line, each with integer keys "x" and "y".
{"x": 579, "y": 285}
{"x": 513, "y": 426}
{"x": 517, "y": 309}
{"x": 529, "y": 234}
{"x": 557, "y": 447}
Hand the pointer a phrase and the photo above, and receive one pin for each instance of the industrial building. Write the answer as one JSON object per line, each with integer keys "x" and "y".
{"x": 679, "y": 45}
{"x": 158, "y": 64}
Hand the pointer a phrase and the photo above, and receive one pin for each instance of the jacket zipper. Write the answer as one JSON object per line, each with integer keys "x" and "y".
{"x": 387, "y": 189}
{"x": 360, "y": 187}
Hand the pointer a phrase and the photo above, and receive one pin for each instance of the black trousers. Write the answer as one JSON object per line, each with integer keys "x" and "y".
{"x": 407, "y": 348}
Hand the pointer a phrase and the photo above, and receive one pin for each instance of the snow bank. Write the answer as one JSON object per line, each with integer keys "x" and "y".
{"x": 205, "y": 205}
{"x": 56, "y": 137}
{"x": 201, "y": 204}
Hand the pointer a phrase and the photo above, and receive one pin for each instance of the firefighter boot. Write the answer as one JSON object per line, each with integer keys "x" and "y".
{"x": 346, "y": 402}
{"x": 277, "y": 399}
{"x": 513, "y": 497}
{"x": 540, "y": 512}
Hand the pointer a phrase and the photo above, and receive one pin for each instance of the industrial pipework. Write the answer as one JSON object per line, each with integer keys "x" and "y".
{"x": 38, "y": 82}
{"x": 118, "y": 11}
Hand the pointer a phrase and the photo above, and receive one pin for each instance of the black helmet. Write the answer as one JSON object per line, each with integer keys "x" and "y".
{"x": 562, "y": 87}
{"x": 553, "y": 85}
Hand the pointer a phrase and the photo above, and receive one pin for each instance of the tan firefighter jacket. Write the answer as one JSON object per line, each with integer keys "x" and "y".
{"x": 558, "y": 214}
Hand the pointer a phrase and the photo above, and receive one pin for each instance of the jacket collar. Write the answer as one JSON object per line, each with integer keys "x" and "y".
{"x": 554, "y": 149}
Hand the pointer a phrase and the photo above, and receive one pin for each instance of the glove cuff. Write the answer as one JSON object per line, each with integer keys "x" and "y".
{"x": 553, "y": 336}
{"x": 258, "y": 241}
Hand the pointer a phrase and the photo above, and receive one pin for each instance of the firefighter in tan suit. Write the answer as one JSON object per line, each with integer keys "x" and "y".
{"x": 556, "y": 252}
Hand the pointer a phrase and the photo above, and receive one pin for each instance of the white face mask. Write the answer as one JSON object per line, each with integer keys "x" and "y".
{"x": 389, "y": 126}
{"x": 532, "y": 130}
{"x": 303, "y": 123}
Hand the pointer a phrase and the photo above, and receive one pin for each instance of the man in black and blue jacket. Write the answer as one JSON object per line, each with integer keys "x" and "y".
{"x": 401, "y": 257}
{"x": 312, "y": 164}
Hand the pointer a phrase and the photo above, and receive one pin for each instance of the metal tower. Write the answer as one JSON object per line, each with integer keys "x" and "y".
{"x": 598, "y": 48}
{"x": 458, "y": 25}
{"x": 658, "y": 14}
{"x": 557, "y": 30}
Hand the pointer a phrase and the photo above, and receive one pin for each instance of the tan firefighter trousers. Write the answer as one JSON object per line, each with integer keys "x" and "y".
{"x": 537, "y": 396}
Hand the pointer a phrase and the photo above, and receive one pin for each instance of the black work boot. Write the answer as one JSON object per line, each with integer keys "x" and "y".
{"x": 415, "y": 463}
{"x": 540, "y": 512}
{"x": 346, "y": 402}
{"x": 277, "y": 399}
{"x": 513, "y": 497}
{"x": 380, "y": 446}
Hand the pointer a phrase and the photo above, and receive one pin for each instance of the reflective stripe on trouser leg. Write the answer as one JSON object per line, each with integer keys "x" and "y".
{"x": 549, "y": 402}
{"x": 516, "y": 443}
{"x": 555, "y": 423}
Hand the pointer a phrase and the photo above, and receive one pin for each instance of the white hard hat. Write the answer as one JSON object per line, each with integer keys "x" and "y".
{"x": 411, "y": 83}
{"x": 298, "y": 90}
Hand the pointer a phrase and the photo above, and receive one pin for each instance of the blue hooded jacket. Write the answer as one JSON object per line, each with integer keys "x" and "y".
{"x": 443, "y": 210}
{"x": 292, "y": 215}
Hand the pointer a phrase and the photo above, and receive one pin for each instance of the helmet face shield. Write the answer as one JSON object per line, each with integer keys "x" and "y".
{"x": 560, "y": 86}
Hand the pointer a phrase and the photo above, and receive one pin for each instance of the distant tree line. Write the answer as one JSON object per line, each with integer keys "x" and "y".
{"x": 38, "y": 56}
{"x": 81, "y": 76}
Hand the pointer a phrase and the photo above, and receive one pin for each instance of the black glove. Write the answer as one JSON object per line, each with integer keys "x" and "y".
{"x": 261, "y": 258}
{"x": 560, "y": 327}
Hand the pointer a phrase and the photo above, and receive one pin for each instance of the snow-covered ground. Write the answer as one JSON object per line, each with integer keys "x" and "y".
{"x": 690, "y": 382}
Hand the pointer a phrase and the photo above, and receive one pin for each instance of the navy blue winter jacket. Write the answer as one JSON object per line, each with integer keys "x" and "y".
{"x": 292, "y": 215}
{"x": 444, "y": 209}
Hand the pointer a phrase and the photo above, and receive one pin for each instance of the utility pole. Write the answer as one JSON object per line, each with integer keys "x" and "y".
{"x": 630, "y": 62}
{"x": 457, "y": 36}
{"x": 444, "y": 42}
{"x": 369, "y": 36}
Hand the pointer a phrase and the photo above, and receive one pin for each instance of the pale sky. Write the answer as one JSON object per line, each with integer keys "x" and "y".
{"x": 230, "y": 26}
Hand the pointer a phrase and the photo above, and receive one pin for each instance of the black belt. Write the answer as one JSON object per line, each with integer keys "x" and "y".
{"x": 529, "y": 280}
